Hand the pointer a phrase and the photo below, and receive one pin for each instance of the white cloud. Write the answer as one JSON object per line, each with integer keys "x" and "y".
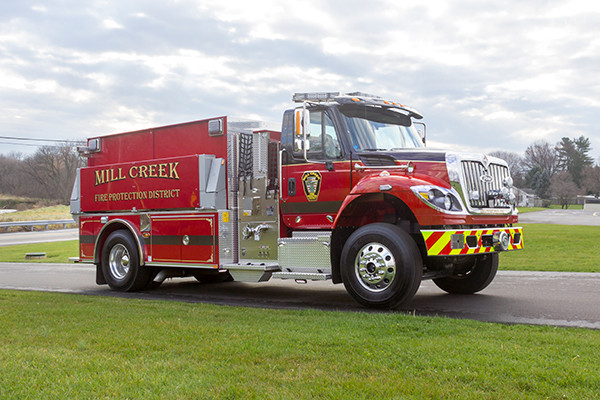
{"x": 110, "y": 23}
{"x": 479, "y": 71}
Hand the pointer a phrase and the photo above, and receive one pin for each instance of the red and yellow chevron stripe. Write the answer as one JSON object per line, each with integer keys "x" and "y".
{"x": 464, "y": 242}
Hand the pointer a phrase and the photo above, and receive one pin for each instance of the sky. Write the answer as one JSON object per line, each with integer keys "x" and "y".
{"x": 486, "y": 75}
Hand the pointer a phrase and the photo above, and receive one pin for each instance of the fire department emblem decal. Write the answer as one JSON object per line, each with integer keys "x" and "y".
{"x": 311, "y": 181}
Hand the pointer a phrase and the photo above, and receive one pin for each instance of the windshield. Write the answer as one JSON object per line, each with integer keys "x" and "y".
{"x": 379, "y": 129}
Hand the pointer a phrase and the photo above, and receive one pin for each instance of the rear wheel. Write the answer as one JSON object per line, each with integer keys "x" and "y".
{"x": 121, "y": 263}
{"x": 381, "y": 266}
{"x": 471, "y": 277}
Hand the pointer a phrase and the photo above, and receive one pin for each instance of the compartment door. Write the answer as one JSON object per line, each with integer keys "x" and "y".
{"x": 184, "y": 239}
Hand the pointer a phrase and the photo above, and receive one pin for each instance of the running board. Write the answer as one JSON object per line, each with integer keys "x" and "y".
{"x": 301, "y": 276}
{"x": 252, "y": 271}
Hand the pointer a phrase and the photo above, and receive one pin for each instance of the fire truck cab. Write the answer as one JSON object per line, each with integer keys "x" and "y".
{"x": 345, "y": 192}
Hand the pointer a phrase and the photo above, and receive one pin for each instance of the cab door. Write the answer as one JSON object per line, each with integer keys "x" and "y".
{"x": 313, "y": 189}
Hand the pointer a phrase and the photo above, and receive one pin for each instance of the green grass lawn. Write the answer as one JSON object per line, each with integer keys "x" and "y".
{"x": 553, "y": 206}
{"x": 523, "y": 210}
{"x": 56, "y": 252}
{"x": 556, "y": 248}
{"x": 84, "y": 347}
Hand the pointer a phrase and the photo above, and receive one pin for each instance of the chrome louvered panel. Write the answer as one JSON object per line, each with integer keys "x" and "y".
{"x": 483, "y": 187}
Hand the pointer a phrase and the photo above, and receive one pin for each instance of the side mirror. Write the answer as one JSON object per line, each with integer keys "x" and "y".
{"x": 301, "y": 129}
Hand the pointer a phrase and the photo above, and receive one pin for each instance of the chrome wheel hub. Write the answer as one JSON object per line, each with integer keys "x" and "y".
{"x": 375, "y": 267}
{"x": 118, "y": 261}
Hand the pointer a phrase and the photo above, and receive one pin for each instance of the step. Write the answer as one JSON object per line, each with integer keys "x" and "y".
{"x": 301, "y": 276}
{"x": 252, "y": 271}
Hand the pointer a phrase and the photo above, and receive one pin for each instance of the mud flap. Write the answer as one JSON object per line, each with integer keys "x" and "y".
{"x": 100, "y": 280}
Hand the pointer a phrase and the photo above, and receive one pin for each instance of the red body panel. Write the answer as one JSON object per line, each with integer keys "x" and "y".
{"x": 90, "y": 227}
{"x": 167, "y": 240}
{"x": 170, "y": 233}
{"x": 168, "y": 183}
{"x": 167, "y": 141}
{"x": 326, "y": 199}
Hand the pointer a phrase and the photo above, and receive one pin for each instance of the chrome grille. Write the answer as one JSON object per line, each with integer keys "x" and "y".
{"x": 483, "y": 188}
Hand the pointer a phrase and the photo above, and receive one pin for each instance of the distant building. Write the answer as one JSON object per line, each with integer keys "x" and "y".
{"x": 525, "y": 197}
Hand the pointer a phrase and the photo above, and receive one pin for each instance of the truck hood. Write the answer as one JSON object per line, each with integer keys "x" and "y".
{"x": 383, "y": 158}
{"x": 482, "y": 181}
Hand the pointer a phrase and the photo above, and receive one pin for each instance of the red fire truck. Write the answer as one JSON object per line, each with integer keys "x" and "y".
{"x": 345, "y": 192}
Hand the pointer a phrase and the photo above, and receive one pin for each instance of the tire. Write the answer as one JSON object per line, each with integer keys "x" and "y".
{"x": 121, "y": 263}
{"x": 381, "y": 266}
{"x": 472, "y": 277}
{"x": 212, "y": 276}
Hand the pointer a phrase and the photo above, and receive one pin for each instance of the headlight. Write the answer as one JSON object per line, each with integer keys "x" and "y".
{"x": 439, "y": 198}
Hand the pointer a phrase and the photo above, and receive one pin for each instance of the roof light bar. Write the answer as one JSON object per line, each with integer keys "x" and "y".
{"x": 315, "y": 97}
{"x": 354, "y": 97}
{"x": 361, "y": 94}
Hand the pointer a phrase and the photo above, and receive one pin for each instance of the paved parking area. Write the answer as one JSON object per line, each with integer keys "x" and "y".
{"x": 561, "y": 217}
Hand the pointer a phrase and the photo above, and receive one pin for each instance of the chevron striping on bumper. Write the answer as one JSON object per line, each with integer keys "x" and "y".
{"x": 439, "y": 242}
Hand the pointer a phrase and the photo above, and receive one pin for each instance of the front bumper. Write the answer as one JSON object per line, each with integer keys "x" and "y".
{"x": 472, "y": 241}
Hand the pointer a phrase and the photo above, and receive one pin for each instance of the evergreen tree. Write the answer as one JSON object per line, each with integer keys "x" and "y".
{"x": 539, "y": 180}
{"x": 573, "y": 157}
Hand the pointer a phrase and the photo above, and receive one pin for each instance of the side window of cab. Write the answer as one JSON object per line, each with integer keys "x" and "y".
{"x": 324, "y": 143}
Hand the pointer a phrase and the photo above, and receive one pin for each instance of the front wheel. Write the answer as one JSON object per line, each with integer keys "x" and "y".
{"x": 121, "y": 263}
{"x": 471, "y": 277}
{"x": 381, "y": 266}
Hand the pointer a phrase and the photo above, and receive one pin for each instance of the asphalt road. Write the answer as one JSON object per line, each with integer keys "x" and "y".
{"x": 561, "y": 217}
{"x": 538, "y": 298}
{"x": 11, "y": 238}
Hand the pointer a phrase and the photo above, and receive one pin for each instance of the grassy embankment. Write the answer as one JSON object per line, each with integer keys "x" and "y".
{"x": 67, "y": 346}
{"x": 32, "y": 210}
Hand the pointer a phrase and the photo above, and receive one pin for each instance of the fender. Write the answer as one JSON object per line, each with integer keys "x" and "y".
{"x": 398, "y": 186}
{"x": 110, "y": 227}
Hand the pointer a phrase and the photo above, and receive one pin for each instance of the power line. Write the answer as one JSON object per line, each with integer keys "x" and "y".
{"x": 30, "y": 144}
{"x": 41, "y": 140}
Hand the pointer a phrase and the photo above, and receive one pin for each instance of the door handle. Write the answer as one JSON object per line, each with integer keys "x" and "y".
{"x": 292, "y": 187}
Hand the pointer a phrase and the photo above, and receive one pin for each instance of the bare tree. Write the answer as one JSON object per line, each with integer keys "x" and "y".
{"x": 543, "y": 155}
{"x": 563, "y": 188}
{"x": 9, "y": 174}
{"x": 52, "y": 171}
{"x": 591, "y": 180}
